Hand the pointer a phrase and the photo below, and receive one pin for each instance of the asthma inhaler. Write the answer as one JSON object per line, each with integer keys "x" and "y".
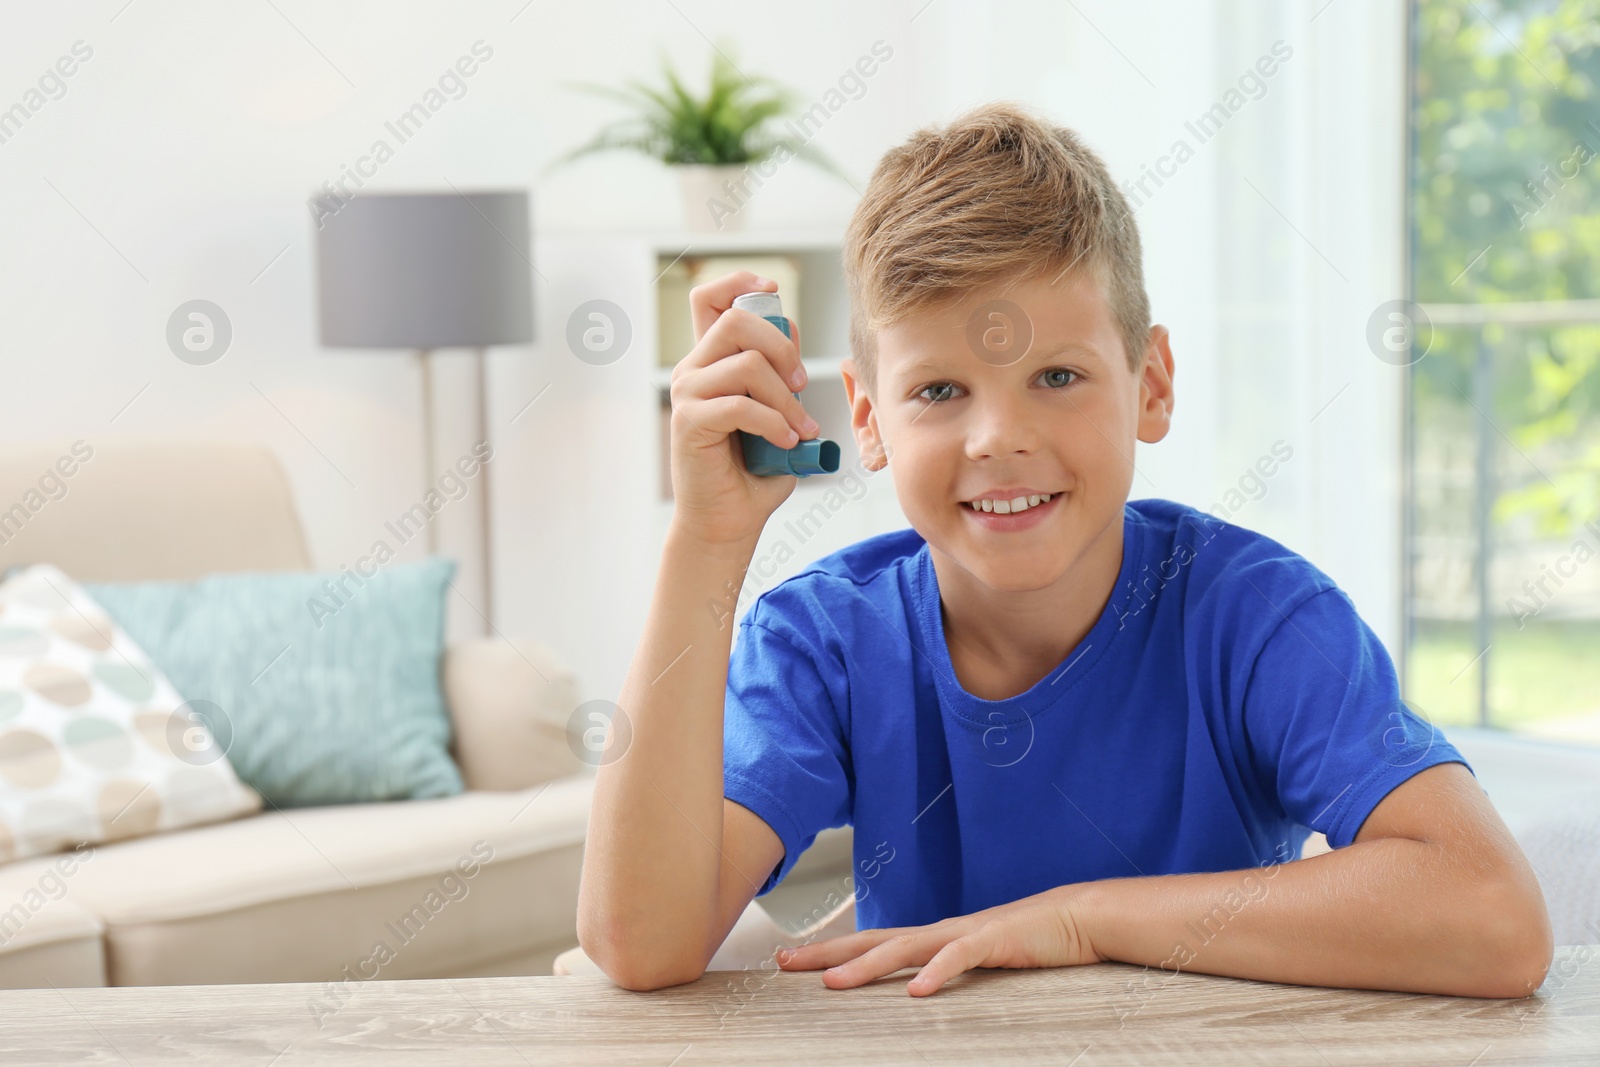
{"x": 762, "y": 456}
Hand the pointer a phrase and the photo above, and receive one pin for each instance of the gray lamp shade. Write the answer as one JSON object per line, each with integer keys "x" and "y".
{"x": 424, "y": 270}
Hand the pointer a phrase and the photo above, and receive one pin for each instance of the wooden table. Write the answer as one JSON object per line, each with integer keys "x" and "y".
{"x": 1104, "y": 1014}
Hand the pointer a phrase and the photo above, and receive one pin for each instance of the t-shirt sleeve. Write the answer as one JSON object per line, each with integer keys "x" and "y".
{"x": 785, "y": 754}
{"x": 1328, "y": 732}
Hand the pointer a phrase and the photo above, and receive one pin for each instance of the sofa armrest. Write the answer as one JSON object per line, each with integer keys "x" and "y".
{"x": 509, "y": 704}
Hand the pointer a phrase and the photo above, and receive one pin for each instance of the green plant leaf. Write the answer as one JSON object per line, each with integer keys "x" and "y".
{"x": 732, "y": 123}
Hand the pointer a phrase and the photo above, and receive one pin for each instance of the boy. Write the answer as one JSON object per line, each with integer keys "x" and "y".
{"x": 1065, "y": 726}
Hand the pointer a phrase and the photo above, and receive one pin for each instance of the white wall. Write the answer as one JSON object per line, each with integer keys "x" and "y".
{"x": 179, "y": 160}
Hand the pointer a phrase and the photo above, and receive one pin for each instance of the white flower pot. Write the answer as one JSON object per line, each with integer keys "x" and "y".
{"x": 707, "y": 204}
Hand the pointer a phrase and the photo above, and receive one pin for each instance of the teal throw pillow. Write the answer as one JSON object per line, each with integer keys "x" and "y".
{"x": 321, "y": 688}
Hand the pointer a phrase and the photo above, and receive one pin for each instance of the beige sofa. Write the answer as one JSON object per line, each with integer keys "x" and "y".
{"x": 308, "y": 894}
{"x": 305, "y": 894}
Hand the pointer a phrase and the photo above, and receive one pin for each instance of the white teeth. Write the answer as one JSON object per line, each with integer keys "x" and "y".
{"x": 1010, "y": 507}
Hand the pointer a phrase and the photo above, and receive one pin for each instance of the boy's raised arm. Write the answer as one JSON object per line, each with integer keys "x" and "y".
{"x": 663, "y": 881}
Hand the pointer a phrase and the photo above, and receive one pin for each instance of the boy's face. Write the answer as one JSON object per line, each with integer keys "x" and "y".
{"x": 1026, "y": 390}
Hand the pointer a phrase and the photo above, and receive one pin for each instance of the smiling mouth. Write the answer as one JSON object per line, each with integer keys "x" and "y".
{"x": 1011, "y": 506}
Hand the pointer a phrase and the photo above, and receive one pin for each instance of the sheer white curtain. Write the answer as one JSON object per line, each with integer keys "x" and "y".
{"x": 1263, "y": 145}
{"x": 1310, "y": 240}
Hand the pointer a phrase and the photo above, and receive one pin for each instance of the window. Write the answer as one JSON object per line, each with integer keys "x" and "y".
{"x": 1503, "y": 346}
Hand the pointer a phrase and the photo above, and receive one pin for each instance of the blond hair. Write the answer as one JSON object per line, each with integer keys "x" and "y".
{"x": 997, "y": 196}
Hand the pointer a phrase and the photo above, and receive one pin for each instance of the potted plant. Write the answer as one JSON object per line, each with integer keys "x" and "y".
{"x": 723, "y": 145}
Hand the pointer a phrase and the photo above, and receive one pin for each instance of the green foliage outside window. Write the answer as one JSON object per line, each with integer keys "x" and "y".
{"x": 1506, "y": 187}
{"x": 1505, "y": 201}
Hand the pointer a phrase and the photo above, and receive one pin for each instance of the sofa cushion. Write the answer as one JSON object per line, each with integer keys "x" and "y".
{"x": 180, "y": 508}
{"x": 46, "y": 938}
{"x": 75, "y": 960}
{"x": 510, "y": 705}
{"x": 328, "y": 684}
{"x": 341, "y": 894}
{"x": 95, "y": 743}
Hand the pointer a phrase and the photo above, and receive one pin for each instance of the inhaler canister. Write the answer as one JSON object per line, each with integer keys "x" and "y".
{"x": 761, "y": 456}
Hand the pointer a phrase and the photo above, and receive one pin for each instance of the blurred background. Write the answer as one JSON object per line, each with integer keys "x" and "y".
{"x": 1438, "y": 151}
{"x": 1372, "y": 228}
{"x": 1503, "y": 416}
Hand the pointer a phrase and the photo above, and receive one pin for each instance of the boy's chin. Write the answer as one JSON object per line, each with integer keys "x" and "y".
{"x": 1022, "y": 575}
{"x": 1022, "y": 569}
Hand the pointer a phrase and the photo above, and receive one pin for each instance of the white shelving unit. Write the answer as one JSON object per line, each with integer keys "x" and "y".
{"x": 592, "y": 478}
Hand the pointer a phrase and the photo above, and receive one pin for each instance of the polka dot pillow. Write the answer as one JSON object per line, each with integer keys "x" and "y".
{"x": 95, "y": 745}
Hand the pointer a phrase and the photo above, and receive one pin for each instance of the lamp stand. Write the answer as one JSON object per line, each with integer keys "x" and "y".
{"x": 485, "y": 543}
{"x": 429, "y": 432}
{"x": 425, "y": 362}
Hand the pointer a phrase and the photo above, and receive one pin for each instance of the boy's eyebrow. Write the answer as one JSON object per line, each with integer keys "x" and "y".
{"x": 936, "y": 365}
{"x": 1071, "y": 348}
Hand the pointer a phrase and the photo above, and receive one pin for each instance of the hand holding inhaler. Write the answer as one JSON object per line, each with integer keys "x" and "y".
{"x": 736, "y": 413}
{"x": 760, "y": 456}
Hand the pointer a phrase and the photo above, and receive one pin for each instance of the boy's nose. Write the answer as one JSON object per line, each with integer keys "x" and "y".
{"x": 1000, "y": 425}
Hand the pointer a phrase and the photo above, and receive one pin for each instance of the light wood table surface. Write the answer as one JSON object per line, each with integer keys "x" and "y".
{"x": 1103, "y": 1014}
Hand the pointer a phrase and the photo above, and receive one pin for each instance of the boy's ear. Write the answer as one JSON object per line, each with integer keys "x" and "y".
{"x": 1155, "y": 387}
{"x": 863, "y": 420}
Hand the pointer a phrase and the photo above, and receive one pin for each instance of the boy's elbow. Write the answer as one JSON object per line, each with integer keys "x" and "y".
{"x": 631, "y": 969}
{"x": 644, "y": 976}
{"x": 1518, "y": 945}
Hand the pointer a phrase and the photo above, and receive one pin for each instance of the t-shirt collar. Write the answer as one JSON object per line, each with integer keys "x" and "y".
{"x": 1049, "y": 690}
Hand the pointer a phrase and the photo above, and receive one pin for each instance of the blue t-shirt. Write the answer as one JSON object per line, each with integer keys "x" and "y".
{"x": 1227, "y": 698}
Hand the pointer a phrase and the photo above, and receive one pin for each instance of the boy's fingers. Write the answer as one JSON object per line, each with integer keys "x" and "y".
{"x": 892, "y": 955}
{"x": 719, "y": 416}
{"x": 746, "y": 372}
{"x": 835, "y": 950}
{"x": 794, "y": 336}
{"x": 957, "y": 957}
{"x": 846, "y": 947}
{"x": 737, "y": 330}
{"x": 710, "y": 299}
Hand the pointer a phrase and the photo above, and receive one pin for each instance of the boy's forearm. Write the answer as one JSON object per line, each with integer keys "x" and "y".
{"x": 651, "y": 862}
{"x": 1389, "y": 913}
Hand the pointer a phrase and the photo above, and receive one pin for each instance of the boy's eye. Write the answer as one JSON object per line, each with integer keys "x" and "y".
{"x": 1054, "y": 378}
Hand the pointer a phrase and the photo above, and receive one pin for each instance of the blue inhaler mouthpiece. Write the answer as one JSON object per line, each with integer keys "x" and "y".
{"x": 761, "y": 456}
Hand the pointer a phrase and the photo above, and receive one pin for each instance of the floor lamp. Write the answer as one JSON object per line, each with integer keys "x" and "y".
{"x": 423, "y": 271}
